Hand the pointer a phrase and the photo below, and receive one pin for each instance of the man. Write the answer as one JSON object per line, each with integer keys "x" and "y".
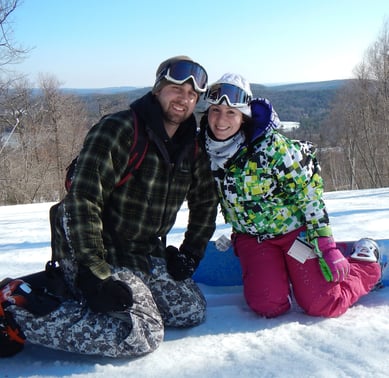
{"x": 125, "y": 284}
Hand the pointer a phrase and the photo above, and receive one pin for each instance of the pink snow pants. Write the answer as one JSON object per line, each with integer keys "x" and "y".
{"x": 269, "y": 274}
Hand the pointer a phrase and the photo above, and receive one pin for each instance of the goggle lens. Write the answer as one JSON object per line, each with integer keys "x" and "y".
{"x": 233, "y": 95}
{"x": 184, "y": 70}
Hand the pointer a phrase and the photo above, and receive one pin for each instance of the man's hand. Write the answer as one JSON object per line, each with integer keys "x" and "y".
{"x": 104, "y": 295}
{"x": 180, "y": 265}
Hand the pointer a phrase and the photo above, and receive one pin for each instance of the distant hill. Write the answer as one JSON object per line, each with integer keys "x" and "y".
{"x": 307, "y": 103}
{"x": 299, "y": 102}
{"x": 310, "y": 86}
{"x": 87, "y": 91}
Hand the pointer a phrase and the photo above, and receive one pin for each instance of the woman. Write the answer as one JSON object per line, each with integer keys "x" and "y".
{"x": 270, "y": 191}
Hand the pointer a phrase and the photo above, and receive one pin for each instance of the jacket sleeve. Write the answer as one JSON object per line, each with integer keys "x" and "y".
{"x": 202, "y": 203}
{"x": 101, "y": 163}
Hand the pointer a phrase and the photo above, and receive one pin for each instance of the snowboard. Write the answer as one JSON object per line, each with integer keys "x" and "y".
{"x": 222, "y": 268}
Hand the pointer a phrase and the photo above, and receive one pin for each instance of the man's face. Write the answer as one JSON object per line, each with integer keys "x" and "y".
{"x": 178, "y": 101}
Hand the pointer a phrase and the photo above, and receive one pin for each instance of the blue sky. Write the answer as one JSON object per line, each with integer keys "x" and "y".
{"x": 96, "y": 43}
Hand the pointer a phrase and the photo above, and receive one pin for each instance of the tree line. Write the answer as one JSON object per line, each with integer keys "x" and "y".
{"x": 358, "y": 124}
{"x": 42, "y": 130}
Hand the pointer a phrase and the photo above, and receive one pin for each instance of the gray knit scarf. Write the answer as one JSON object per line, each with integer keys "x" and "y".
{"x": 220, "y": 151}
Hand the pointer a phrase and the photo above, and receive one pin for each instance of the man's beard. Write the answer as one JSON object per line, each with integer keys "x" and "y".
{"x": 174, "y": 118}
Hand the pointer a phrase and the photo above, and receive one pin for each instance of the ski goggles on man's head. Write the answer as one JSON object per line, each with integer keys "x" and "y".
{"x": 183, "y": 70}
{"x": 234, "y": 96}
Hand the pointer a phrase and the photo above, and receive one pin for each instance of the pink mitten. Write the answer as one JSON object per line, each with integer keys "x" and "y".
{"x": 333, "y": 264}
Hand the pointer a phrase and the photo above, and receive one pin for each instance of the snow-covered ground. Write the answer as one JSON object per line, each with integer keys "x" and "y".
{"x": 233, "y": 342}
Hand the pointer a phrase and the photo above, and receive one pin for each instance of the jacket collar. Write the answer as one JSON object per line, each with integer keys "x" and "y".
{"x": 149, "y": 111}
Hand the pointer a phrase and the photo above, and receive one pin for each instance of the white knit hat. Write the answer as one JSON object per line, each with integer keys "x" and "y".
{"x": 240, "y": 82}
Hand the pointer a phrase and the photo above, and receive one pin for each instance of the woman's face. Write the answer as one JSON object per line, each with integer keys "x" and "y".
{"x": 224, "y": 121}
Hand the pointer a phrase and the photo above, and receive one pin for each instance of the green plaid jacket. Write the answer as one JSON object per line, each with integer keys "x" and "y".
{"x": 104, "y": 225}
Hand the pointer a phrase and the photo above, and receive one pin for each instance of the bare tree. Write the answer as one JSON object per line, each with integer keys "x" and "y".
{"x": 64, "y": 123}
{"x": 359, "y": 120}
{"x": 51, "y": 128}
{"x": 40, "y": 131}
{"x": 10, "y": 52}
{"x": 14, "y": 104}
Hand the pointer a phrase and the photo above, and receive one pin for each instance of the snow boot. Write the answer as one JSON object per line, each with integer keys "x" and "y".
{"x": 367, "y": 249}
{"x": 18, "y": 292}
{"x": 50, "y": 281}
{"x": 11, "y": 336}
{"x": 33, "y": 293}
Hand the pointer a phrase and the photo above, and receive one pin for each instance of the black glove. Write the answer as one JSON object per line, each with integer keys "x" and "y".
{"x": 180, "y": 265}
{"x": 104, "y": 295}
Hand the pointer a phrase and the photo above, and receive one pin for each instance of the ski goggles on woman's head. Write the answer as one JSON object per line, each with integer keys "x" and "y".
{"x": 234, "y": 96}
{"x": 183, "y": 70}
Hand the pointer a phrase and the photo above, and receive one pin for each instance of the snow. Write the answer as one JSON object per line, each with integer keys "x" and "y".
{"x": 233, "y": 341}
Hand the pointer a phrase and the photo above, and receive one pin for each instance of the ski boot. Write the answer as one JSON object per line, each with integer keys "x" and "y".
{"x": 12, "y": 338}
{"x": 18, "y": 292}
{"x": 367, "y": 249}
{"x": 21, "y": 293}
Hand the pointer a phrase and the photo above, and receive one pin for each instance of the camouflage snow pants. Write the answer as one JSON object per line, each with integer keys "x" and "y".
{"x": 158, "y": 301}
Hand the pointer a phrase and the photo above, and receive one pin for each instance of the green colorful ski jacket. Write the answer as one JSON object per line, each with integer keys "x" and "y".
{"x": 272, "y": 187}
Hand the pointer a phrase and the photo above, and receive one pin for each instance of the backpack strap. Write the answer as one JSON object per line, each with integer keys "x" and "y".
{"x": 137, "y": 153}
{"x": 138, "y": 150}
{"x": 196, "y": 149}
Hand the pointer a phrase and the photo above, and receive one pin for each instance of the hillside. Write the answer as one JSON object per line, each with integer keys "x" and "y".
{"x": 307, "y": 103}
{"x": 299, "y": 102}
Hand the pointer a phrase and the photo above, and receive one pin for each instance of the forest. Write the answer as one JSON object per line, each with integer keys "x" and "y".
{"x": 42, "y": 126}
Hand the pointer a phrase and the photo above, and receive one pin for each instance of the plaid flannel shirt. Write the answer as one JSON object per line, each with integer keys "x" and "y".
{"x": 106, "y": 226}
